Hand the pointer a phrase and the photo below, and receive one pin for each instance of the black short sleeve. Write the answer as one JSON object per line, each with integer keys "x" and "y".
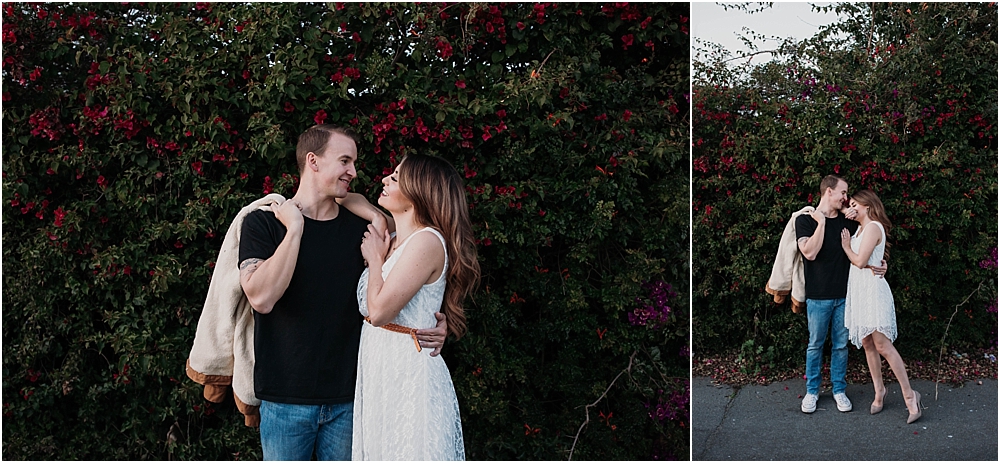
{"x": 805, "y": 226}
{"x": 260, "y": 236}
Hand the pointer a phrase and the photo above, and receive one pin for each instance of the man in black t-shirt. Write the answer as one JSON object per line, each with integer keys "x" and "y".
{"x": 299, "y": 268}
{"x": 826, "y": 271}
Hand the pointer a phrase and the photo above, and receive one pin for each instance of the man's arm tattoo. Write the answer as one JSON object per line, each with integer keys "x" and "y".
{"x": 250, "y": 265}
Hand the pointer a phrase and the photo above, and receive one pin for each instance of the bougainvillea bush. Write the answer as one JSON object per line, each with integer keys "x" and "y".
{"x": 133, "y": 133}
{"x": 898, "y": 98}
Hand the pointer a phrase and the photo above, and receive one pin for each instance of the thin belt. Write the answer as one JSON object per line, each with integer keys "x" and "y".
{"x": 399, "y": 329}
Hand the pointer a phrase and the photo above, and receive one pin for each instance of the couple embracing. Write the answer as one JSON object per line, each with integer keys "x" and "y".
{"x": 846, "y": 294}
{"x": 344, "y": 365}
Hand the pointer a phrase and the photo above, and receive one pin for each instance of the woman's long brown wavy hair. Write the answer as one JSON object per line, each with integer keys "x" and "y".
{"x": 876, "y": 211}
{"x": 438, "y": 195}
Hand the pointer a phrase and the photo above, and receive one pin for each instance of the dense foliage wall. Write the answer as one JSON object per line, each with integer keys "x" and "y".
{"x": 133, "y": 133}
{"x": 898, "y": 98}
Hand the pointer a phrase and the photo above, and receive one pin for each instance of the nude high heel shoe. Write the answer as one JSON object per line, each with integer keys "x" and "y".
{"x": 916, "y": 416}
{"x": 875, "y": 409}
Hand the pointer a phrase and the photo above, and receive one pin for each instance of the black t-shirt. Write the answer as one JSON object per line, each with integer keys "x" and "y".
{"x": 826, "y": 276}
{"x": 306, "y": 348}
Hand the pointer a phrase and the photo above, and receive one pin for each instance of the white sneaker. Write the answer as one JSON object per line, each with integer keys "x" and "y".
{"x": 809, "y": 403}
{"x": 843, "y": 403}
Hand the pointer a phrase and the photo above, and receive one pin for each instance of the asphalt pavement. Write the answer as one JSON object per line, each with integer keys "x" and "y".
{"x": 766, "y": 423}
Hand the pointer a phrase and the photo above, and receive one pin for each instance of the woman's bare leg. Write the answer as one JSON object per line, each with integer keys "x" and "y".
{"x": 875, "y": 368}
{"x": 885, "y": 347}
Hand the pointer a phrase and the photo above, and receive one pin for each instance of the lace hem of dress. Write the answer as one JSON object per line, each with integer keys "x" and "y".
{"x": 860, "y": 332}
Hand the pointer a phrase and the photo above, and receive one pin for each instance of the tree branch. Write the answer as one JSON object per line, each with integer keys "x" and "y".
{"x": 937, "y": 379}
{"x": 586, "y": 409}
{"x": 751, "y": 55}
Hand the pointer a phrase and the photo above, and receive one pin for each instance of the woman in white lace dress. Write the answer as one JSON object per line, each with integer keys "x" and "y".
{"x": 405, "y": 406}
{"x": 869, "y": 311}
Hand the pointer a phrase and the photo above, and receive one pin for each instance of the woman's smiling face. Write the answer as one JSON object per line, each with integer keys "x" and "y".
{"x": 392, "y": 198}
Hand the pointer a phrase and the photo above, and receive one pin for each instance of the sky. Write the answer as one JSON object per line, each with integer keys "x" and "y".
{"x": 711, "y": 22}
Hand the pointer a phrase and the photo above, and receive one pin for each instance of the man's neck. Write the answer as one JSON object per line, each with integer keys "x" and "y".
{"x": 827, "y": 209}
{"x": 316, "y": 206}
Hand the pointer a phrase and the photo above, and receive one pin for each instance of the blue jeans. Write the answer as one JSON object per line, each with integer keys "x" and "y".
{"x": 294, "y": 432}
{"x": 826, "y": 315}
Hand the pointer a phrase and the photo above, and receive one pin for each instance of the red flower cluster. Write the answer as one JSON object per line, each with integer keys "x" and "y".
{"x": 96, "y": 115}
{"x": 444, "y": 49}
{"x": 95, "y": 79}
{"x": 540, "y": 12}
{"x": 129, "y": 124}
{"x": 627, "y": 41}
{"x": 45, "y": 122}
{"x": 492, "y": 21}
{"x": 9, "y": 32}
{"x": 60, "y": 215}
{"x": 343, "y": 70}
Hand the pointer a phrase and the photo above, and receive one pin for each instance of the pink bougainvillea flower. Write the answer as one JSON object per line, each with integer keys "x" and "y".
{"x": 268, "y": 185}
{"x": 320, "y": 116}
{"x": 627, "y": 115}
{"x": 627, "y": 40}
{"x": 460, "y": 83}
{"x": 60, "y": 214}
{"x": 444, "y": 49}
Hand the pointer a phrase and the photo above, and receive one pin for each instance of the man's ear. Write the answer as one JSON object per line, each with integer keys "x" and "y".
{"x": 311, "y": 162}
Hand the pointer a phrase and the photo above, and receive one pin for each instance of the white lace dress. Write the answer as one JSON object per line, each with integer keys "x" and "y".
{"x": 869, "y": 306}
{"x": 405, "y": 406}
